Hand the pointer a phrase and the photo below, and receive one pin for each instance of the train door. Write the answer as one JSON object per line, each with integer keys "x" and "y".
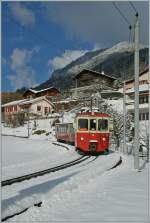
{"x": 103, "y": 129}
{"x": 93, "y": 137}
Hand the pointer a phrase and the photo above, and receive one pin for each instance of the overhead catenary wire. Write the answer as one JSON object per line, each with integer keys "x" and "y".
{"x": 121, "y": 13}
{"x": 133, "y": 7}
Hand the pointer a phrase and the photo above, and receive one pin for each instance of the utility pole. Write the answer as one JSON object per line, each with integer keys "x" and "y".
{"x": 91, "y": 103}
{"x": 136, "y": 105}
{"x": 124, "y": 117}
{"x": 28, "y": 126}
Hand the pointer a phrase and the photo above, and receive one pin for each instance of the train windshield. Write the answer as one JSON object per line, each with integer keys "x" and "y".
{"x": 102, "y": 125}
{"x": 83, "y": 124}
{"x": 93, "y": 124}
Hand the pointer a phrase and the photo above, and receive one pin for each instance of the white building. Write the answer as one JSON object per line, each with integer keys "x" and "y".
{"x": 40, "y": 106}
{"x": 143, "y": 95}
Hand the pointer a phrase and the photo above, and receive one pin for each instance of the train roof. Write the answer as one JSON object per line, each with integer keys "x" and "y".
{"x": 95, "y": 114}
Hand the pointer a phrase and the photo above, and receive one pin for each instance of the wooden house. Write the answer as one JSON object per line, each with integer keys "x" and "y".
{"x": 89, "y": 81}
{"x": 48, "y": 92}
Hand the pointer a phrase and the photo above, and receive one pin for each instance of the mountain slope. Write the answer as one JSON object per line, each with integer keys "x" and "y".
{"x": 116, "y": 61}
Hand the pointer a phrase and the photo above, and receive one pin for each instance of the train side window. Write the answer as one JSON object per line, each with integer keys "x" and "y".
{"x": 93, "y": 124}
{"x": 83, "y": 124}
{"x": 102, "y": 124}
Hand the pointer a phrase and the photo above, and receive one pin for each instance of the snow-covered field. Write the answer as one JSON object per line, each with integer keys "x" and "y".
{"x": 43, "y": 124}
{"x": 23, "y": 156}
{"x": 84, "y": 192}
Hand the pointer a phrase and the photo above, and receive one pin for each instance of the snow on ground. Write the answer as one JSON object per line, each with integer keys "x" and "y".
{"x": 23, "y": 156}
{"x": 42, "y": 124}
{"x": 85, "y": 192}
{"x": 53, "y": 187}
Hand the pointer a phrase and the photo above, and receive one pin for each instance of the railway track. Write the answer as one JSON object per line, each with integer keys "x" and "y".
{"x": 79, "y": 160}
{"x": 43, "y": 172}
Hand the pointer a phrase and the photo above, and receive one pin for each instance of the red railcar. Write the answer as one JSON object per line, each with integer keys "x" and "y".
{"x": 65, "y": 133}
{"x": 90, "y": 132}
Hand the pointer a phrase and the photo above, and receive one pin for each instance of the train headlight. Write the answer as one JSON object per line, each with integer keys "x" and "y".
{"x": 82, "y": 138}
{"x": 104, "y": 139}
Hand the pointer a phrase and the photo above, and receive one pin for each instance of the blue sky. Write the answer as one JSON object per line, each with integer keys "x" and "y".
{"x": 39, "y": 37}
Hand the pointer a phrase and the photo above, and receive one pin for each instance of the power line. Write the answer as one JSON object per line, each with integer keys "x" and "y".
{"x": 121, "y": 13}
{"x": 133, "y": 7}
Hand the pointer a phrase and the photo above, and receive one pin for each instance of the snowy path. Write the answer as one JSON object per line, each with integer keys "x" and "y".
{"x": 86, "y": 192}
{"x": 22, "y": 195}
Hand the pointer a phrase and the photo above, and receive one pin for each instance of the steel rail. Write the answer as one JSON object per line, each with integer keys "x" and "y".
{"x": 43, "y": 172}
{"x": 116, "y": 165}
{"x": 40, "y": 203}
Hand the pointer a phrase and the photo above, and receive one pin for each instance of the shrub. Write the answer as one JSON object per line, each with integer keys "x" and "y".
{"x": 48, "y": 133}
{"x": 39, "y": 132}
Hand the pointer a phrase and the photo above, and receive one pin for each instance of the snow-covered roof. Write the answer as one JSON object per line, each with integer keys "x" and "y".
{"x": 143, "y": 87}
{"x": 31, "y": 101}
{"x": 92, "y": 71}
{"x": 38, "y": 91}
{"x": 65, "y": 101}
{"x": 26, "y": 101}
{"x": 17, "y": 102}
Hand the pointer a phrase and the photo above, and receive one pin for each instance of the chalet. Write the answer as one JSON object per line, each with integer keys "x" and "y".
{"x": 48, "y": 92}
{"x": 143, "y": 95}
{"x": 89, "y": 81}
{"x": 40, "y": 106}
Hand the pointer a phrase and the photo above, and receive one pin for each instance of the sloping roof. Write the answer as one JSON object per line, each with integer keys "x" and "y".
{"x": 14, "y": 102}
{"x": 38, "y": 91}
{"x": 27, "y": 101}
{"x": 94, "y": 73}
{"x": 132, "y": 79}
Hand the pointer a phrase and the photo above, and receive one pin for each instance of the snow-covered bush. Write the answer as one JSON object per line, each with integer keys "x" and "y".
{"x": 144, "y": 138}
{"x": 118, "y": 127}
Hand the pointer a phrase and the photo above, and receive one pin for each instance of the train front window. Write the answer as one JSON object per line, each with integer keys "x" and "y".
{"x": 83, "y": 124}
{"x": 93, "y": 124}
{"x": 102, "y": 125}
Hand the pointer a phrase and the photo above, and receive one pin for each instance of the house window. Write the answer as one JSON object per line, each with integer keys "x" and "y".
{"x": 15, "y": 108}
{"x": 144, "y": 116}
{"x": 147, "y": 116}
{"x": 143, "y": 82}
{"x": 38, "y": 108}
{"x": 140, "y": 116}
{"x": 143, "y": 99}
{"x": 46, "y": 110}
